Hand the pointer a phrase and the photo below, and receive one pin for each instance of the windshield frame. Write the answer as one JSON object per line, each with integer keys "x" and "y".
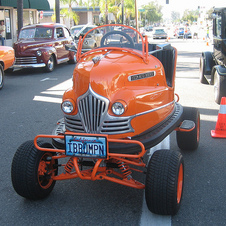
{"x": 143, "y": 53}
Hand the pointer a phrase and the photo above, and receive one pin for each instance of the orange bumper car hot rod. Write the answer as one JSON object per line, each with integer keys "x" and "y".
{"x": 122, "y": 104}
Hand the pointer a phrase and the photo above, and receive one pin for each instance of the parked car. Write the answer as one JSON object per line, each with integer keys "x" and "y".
{"x": 43, "y": 45}
{"x": 159, "y": 33}
{"x": 81, "y": 29}
{"x": 92, "y": 40}
{"x": 213, "y": 63}
{"x": 180, "y": 32}
{"x": 148, "y": 28}
{"x": 7, "y": 58}
{"x": 121, "y": 104}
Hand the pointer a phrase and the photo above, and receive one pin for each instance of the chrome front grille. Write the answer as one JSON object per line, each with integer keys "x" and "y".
{"x": 92, "y": 110}
{"x": 26, "y": 60}
{"x": 93, "y": 117}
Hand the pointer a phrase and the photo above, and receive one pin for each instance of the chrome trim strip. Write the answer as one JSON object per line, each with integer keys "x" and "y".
{"x": 156, "y": 109}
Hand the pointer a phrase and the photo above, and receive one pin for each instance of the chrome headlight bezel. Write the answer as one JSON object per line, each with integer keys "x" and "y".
{"x": 39, "y": 53}
{"x": 68, "y": 106}
{"x": 119, "y": 107}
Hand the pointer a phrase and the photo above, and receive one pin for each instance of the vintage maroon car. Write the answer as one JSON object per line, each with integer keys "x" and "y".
{"x": 43, "y": 45}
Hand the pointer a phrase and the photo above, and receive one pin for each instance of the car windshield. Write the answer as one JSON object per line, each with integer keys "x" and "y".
{"x": 159, "y": 31}
{"x": 75, "y": 30}
{"x": 40, "y": 32}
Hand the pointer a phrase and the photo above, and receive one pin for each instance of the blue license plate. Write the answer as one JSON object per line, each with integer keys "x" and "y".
{"x": 86, "y": 146}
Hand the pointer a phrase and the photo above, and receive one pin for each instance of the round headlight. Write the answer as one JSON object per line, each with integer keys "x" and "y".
{"x": 118, "y": 108}
{"x": 67, "y": 107}
{"x": 39, "y": 53}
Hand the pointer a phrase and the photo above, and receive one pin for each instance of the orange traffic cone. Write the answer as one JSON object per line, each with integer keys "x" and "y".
{"x": 220, "y": 130}
{"x": 207, "y": 43}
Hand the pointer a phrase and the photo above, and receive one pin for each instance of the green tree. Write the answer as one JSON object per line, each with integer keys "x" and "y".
{"x": 190, "y": 16}
{"x": 152, "y": 13}
{"x": 68, "y": 12}
{"x": 115, "y": 7}
{"x": 209, "y": 14}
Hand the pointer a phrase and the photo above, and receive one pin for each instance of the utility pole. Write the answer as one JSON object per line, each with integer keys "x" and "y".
{"x": 122, "y": 11}
{"x": 136, "y": 15}
{"x": 106, "y": 12}
{"x": 19, "y": 14}
{"x": 57, "y": 10}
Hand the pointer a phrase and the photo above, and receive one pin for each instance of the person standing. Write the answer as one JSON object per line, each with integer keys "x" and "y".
{"x": 207, "y": 32}
{"x": 2, "y": 31}
{"x": 186, "y": 32}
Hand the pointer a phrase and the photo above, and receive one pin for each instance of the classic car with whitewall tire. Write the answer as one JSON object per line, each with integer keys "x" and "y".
{"x": 43, "y": 46}
{"x": 212, "y": 67}
{"x": 121, "y": 104}
{"x": 7, "y": 58}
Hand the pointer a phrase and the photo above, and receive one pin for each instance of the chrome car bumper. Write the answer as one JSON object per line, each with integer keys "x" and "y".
{"x": 28, "y": 65}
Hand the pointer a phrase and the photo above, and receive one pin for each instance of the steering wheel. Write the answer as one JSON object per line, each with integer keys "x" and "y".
{"x": 130, "y": 45}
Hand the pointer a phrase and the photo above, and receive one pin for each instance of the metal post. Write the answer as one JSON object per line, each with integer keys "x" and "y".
{"x": 122, "y": 11}
{"x": 136, "y": 14}
{"x": 57, "y": 10}
{"x": 19, "y": 14}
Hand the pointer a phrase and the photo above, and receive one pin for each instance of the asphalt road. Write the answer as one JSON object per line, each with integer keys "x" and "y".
{"x": 30, "y": 105}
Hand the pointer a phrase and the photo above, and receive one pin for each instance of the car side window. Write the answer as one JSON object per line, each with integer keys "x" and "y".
{"x": 59, "y": 32}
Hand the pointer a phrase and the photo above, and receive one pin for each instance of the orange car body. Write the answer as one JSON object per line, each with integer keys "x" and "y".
{"x": 7, "y": 56}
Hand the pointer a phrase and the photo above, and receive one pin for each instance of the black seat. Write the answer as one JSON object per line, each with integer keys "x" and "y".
{"x": 167, "y": 58}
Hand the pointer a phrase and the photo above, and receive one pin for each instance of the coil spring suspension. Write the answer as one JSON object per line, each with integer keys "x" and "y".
{"x": 124, "y": 167}
{"x": 69, "y": 166}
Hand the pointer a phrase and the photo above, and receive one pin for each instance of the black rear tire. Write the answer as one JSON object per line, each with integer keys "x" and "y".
{"x": 164, "y": 182}
{"x": 189, "y": 140}
{"x": 32, "y": 171}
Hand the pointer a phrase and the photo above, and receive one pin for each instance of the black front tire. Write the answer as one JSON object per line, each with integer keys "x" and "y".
{"x": 164, "y": 182}
{"x": 32, "y": 171}
{"x": 1, "y": 77}
{"x": 73, "y": 61}
{"x": 189, "y": 140}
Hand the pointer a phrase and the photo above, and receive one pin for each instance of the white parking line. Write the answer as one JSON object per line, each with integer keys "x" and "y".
{"x": 148, "y": 218}
{"x": 45, "y": 79}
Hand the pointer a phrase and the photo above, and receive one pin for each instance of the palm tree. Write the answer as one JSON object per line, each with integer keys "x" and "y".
{"x": 68, "y": 12}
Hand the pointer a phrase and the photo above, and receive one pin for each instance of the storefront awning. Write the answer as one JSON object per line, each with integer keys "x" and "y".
{"x": 28, "y": 4}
